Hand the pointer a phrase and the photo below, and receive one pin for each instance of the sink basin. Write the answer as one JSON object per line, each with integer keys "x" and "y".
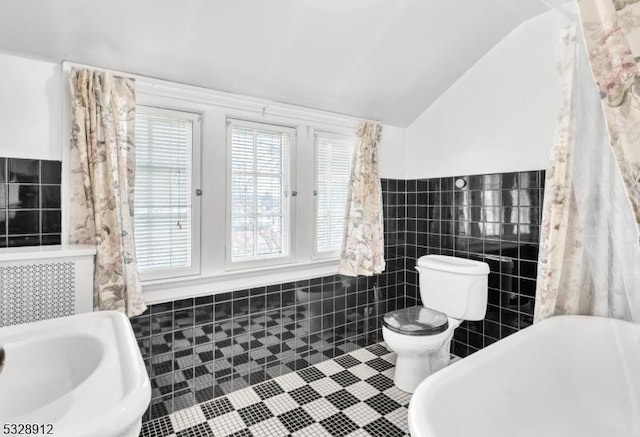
{"x": 83, "y": 374}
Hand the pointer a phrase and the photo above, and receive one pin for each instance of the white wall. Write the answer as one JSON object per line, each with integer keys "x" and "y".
{"x": 392, "y": 152}
{"x": 499, "y": 116}
{"x": 30, "y": 108}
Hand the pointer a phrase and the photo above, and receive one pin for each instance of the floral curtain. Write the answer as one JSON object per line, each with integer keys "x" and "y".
{"x": 363, "y": 240}
{"x": 102, "y": 175}
{"x": 611, "y": 31}
{"x": 589, "y": 261}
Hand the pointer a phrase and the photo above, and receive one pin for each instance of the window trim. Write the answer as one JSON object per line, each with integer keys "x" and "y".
{"x": 196, "y": 178}
{"x": 329, "y": 254}
{"x": 291, "y": 222}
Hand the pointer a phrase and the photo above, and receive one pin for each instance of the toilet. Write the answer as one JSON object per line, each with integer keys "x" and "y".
{"x": 452, "y": 290}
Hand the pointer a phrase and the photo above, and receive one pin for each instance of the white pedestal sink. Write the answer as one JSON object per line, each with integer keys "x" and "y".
{"x": 76, "y": 376}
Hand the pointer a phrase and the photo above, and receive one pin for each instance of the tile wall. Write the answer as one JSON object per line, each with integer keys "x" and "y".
{"x": 493, "y": 218}
{"x": 198, "y": 349}
{"x": 29, "y": 202}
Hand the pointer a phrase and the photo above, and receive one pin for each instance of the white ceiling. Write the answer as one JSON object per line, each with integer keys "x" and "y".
{"x": 380, "y": 59}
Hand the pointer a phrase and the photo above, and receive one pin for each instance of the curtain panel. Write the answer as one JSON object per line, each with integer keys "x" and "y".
{"x": 102, "y": 166}
{"x": 363, "y": 241}
{"x": 611, "y": 30}
{"x": 589, "y": 261}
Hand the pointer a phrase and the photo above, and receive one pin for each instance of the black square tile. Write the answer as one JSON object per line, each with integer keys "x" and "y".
{"x": 380, "y": 382}
{"x": 21, "y": 196}
{"x": 51, "y": 221}
{"x": 51, "y": 172}
{"x": 23, "y": 240}
{"x": 382, "y": 403}
{"x": 162, "y": 322}
{"x": 347, "y": 361}
{"x": 24, "y": 170}
{"x": 141, "y": 326}
{"x": 339, "y": 425}
{"x": 199, "y": 430}
{"x": 342, "y": 399}
{"x": 160, "y": 407}
{"x": 242, "y": 433}
{"x": 183, "y": 318}
{"x": 3, "y": 170}
{"x": 379, "y": 364}
{"x": 51, "y": 239}
{"x": 161, "y": 307}
{"x": 311, "y": 374}
{"x": 24, "y": 222}
{"x": 222, "y": 311}
{"x": 216, "y": 407}
{"x": 255, "y": 413}
{"x": 161, "y": 426}
{"x": 203, "y": 300}
{"x": 378, "y": 349}
{"x": 204, "y": 314}
{"x": 345, "y": 378}
{"x": 382, "y": 427}
{"x": 3, "y": 222}
{"x": 305, "y": 394}
{"x": 268, "y": 389}
{"x": 221, "y": 297}
{"x": 296, "y": 420}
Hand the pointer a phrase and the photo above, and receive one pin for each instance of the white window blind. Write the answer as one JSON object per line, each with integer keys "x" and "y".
{"x": 333, "y": 166}
{"x": 165, "y": 234}
{"x": 259, "y": 195}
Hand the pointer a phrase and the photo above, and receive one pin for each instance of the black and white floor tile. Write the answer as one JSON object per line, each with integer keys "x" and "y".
{"x": 349, "y": 396}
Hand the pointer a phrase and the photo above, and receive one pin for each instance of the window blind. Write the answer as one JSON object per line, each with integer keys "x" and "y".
{"x": 333, "y": 166}
{"x": 163, "y": 189}
{"x": 259, "y": 191}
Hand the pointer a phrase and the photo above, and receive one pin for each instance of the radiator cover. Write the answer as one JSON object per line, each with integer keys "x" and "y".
{"x": 45, "y": 282}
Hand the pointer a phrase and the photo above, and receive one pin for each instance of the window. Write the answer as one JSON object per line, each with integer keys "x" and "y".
{"x": 166, "y": 208}
{"x": 333, "y": 166}
{"x": 260, "y": 213}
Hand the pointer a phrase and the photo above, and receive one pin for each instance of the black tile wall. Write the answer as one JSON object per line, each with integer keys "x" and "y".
{"x": 493, "y": 218}
{"x": 29, "y": 202}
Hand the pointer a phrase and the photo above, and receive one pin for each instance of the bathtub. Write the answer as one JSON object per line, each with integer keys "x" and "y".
{"x": 567, "y": 376}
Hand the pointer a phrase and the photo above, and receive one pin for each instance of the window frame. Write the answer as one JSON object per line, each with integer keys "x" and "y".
{"x": 196, "y": 178}
{"x": 291, "y": 223}
{"x": 327, "y": 254}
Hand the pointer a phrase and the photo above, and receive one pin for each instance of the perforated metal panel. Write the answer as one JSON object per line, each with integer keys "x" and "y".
{"x": 38, "y": 291}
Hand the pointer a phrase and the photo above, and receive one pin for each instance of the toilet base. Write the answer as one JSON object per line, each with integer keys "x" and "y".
{"x": 418, "y": 357}
{"x": 411, "y": 371}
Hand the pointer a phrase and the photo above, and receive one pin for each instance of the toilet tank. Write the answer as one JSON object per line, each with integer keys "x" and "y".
{"x": 454, "y": 286}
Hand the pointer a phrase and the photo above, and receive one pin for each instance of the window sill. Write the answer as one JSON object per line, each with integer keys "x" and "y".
{"x": 158, "y": 291}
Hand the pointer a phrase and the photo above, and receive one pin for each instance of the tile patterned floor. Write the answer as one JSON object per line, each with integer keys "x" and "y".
{"x": 349, "y": 396}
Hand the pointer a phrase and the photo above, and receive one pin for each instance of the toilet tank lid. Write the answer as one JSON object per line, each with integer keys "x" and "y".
{"x": 453, "y": 264}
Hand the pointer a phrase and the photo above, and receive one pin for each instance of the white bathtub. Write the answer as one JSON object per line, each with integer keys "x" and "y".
{"x": 568, "y": 376}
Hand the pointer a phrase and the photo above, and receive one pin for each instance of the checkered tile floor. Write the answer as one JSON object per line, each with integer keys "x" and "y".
{"x": 348, "y": 396}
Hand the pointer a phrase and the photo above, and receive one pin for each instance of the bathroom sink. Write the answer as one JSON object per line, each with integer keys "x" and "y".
{"x": 76, "y": 376}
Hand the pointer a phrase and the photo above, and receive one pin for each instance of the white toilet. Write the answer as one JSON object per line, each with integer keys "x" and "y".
{"x": 452, "y": 290}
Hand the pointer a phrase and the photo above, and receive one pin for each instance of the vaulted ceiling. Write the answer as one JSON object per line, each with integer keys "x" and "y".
{"x": 380, "y": 59}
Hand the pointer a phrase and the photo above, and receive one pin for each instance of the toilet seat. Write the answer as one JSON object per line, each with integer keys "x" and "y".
{"x": 416, "y": 321}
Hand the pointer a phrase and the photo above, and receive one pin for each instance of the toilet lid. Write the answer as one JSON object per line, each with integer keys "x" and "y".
{"x": 416, "y": 320}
